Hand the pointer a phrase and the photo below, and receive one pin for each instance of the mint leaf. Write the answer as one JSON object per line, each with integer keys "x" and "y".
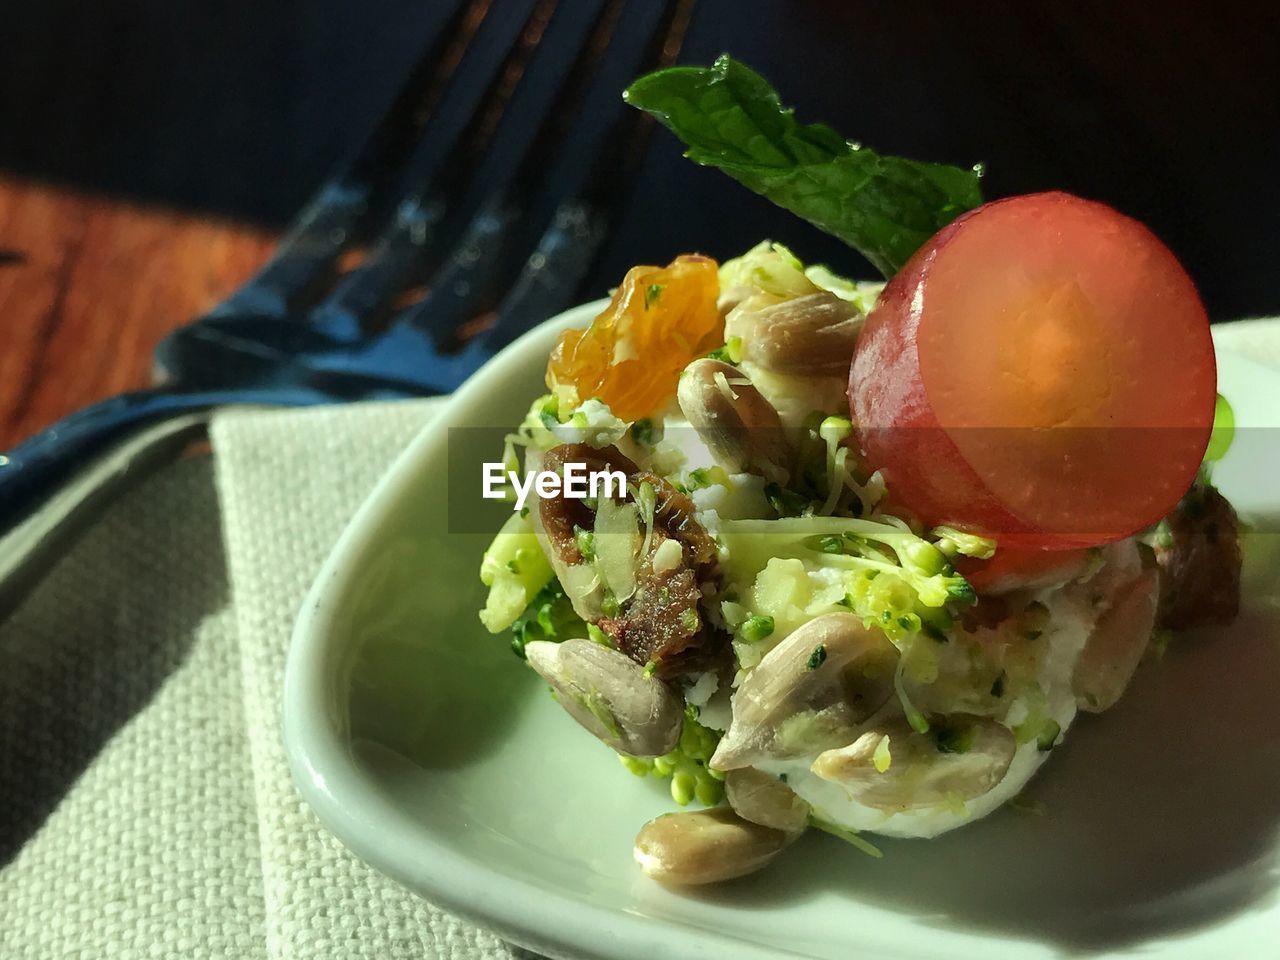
{"x": 729, "y": 116}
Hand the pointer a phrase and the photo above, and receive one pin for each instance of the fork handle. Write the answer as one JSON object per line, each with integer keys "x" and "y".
{"x": 57, "y": 483}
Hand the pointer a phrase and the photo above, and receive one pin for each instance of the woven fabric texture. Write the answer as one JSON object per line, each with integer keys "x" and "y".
{"x": 146, "y": 810}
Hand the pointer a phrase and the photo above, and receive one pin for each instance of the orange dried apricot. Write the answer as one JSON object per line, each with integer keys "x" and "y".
{"x": 660, "y": 319}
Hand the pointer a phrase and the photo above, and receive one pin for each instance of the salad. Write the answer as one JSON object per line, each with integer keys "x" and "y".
{"x": 874, "y": 545}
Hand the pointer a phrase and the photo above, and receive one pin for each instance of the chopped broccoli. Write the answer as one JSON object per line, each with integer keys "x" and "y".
{"x": 647, "y": 432}
{"x": 755, "y": 628}
{"x": 786, "y": 503}
{"x": 731, "y": 352}
{"x": 768, "y": 268}
{"x": 514, "y": 569}
{"x": 585, "y": 541}
{"x": 549, "y": 617}
{"x": 952, "y": 541}
{"x": 686, "y": 765}
{"x": 891, "y": 577}
{"x": 1048, "y": 736}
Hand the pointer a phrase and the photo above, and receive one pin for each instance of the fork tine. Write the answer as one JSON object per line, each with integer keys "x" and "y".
{"x": 490, "y": 259}
{"x": 438, "y": 176}
{"x": 511, "y": 175}
{"x": 403, "y": 357}
{"x": 553, "y": 273}
{"x": 305, "y": 257}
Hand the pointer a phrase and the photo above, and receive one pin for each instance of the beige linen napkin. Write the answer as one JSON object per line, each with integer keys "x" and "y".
{"x": 145, "y": 807}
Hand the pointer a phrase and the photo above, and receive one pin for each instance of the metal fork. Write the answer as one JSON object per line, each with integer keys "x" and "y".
{"x": 495, "y": 174}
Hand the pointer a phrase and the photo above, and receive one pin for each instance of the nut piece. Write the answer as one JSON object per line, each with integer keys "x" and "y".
{"x": 738, "y": 425}
{"x": 790, "y": 705}
{"x": 813, "y": 335}
{"x": 705, "y": 846}
{"x": 1113, "y": 651}
{"x": 961, "y": 758}
{"x": 608, "y": 694}
{"x": 764, "y": 799}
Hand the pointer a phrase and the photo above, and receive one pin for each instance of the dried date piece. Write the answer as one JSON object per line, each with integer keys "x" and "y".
{"x": 1200, "y": 567}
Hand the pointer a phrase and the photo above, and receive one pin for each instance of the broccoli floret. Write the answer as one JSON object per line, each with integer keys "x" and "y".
{"x": 893, "y": 578}
{"x": 686, "y": 765}
{"x": 549, "y": 616}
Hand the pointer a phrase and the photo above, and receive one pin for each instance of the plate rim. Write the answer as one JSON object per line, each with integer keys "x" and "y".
{"x": 329, "y": 777}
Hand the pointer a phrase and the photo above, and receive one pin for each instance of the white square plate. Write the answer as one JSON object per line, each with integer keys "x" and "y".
{"x": 438, "y": 758}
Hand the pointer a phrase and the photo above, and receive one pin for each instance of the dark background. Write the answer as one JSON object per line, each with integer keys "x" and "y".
{"x": 1170, "y": 112}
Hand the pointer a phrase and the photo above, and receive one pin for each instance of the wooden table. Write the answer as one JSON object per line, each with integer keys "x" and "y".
{"x": 89, "y": 284}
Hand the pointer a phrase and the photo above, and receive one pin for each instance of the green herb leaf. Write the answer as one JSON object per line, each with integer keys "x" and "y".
{"x": 818, "y": 657}
{"x": 729, "y": 116}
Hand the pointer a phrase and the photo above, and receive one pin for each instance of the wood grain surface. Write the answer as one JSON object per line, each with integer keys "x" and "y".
{"x": 89, "y": 284}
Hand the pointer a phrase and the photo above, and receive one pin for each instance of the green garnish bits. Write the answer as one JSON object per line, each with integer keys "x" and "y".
{"x": 646, "y": 432}
{"x": 817, "y": 658}
{"x": 755, "y": 628}
{"x": 954, "y": 739}
{"x": 962, "y": 592}
{"x": 549, "y": 616}
{"x": 729, "y": 117}
{"x": 689, "y": 619}
{"x": 786, "y": 503}
{"x": 705, "y": 477}
{"x": 686, "y": 765}
{"x": 1048, "y": 736}
{"x": 585, "y": 541}
{"x": 830, "y": 543}
{"x": 731, "y": 352}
